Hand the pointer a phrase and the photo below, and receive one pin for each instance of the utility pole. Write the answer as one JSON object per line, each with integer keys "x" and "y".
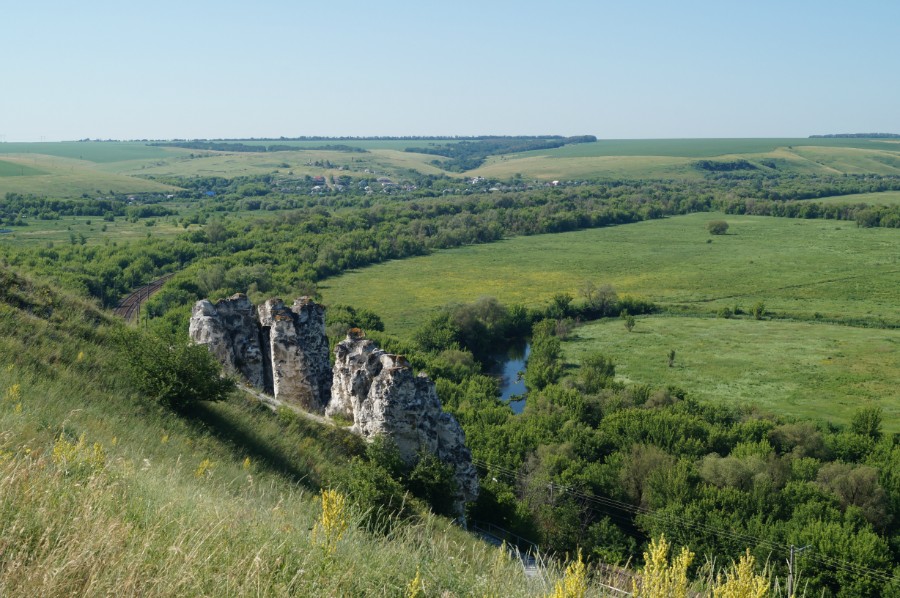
{"x": 791, "y": 571}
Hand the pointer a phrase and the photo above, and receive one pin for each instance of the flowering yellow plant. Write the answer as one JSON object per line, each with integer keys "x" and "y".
{"x": 333, "y": 522}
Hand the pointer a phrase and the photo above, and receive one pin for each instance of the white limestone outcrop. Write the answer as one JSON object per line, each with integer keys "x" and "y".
{"x": 283, "y": 351}
{"x": 380, "y": 394}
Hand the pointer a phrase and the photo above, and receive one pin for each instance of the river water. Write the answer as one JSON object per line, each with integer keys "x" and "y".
{"x": 510, "y": 370}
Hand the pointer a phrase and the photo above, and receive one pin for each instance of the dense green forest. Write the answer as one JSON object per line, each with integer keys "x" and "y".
{"x": 590, "y": 464}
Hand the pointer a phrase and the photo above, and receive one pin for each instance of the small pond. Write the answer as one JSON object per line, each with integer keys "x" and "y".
{"x": 510, "y": 370}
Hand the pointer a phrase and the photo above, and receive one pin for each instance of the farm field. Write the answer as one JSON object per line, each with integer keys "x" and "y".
{"x": 803, "y": 369}
{"x": 797, "y": 267}
{"x": 8, "y": 169}
{"x": 663, "y": 160}
{"x": 224, "y": 164}
{"x": 705, "y": 148}
{"x": 64, "y": 169}
{"x": 99, "y": 152}
{"x": 587, "y": 167}
{"x": 56, "y": 176}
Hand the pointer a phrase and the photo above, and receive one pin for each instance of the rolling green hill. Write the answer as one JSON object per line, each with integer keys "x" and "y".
{"x": 73, "y": 168}
{"x": 104, "y": 492}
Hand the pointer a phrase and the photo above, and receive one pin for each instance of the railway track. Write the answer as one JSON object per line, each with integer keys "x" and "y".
{"x": 130, "y": 306}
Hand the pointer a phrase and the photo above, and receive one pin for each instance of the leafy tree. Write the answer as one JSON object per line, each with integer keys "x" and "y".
{"x": 596, "y": 373}
{"x": 867, "y": 422}
{"x": 173, "y": 372}
{"x": 857, "y": 486}
{"x": 544, "y": 365}
{"x": 638, "y": 465}
{"x": 438, "y": 334}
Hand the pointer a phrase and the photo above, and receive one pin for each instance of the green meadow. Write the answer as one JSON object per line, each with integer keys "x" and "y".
{"x": 803, "y": 369}
{"x": 798, "y": 268}
{"x": 885, "y": 198}
{"x": 224, "y": 164}
{"x": 827, "y": 288}
{"x": 93, "y": 228}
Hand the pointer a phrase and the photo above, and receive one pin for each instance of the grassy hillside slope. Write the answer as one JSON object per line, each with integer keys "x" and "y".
{"x": 102, "y": 492}
{"x": 55, "y": 176}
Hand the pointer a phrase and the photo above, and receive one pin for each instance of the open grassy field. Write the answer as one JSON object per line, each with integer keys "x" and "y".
{"x": 798, "y": 267}
{"x": 366, "y": 144}
{"x": 587, "y": 167}
{"x": 803, "y": 369}
{"x": 8, "y": 168}
{"x": 99, "y": 152}
{"x": 93, "y": 228}
{"x": 886, "y": 198}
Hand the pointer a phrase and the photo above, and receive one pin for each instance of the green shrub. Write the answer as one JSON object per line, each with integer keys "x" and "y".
{"x": 432, "y": 481}
{"x": 717, "y": 227}
{"x": 174, "y": 373}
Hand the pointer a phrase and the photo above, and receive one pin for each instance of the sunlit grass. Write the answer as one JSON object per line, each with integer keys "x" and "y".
{"x": 802, "y": 369}
{"x": 797, "y": 267}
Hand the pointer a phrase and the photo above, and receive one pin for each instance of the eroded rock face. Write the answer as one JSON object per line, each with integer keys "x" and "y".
{"x": 283, "y": 351}
{"x": 301, "y": 371}
{"x": 280, "y": 350}
{"x": 230, "y": 331}
{"x": 382, "y": 396}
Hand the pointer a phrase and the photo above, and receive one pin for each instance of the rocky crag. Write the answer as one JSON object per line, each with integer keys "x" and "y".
{"x": 280, "y": 350}
{"x": 380, "y": 394}
{"x": 283, "y": 351}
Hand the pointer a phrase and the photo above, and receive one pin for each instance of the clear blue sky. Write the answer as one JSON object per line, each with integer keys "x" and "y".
{"x": 623, "y": 69}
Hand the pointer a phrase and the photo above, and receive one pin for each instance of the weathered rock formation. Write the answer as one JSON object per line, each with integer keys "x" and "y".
{"x": 283, "y": 351}
{"x": 380, "y": 393}
{"x": 229, "y": 329}
{"x": 279, "y": 350}
{"x": 301, "y": 372}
